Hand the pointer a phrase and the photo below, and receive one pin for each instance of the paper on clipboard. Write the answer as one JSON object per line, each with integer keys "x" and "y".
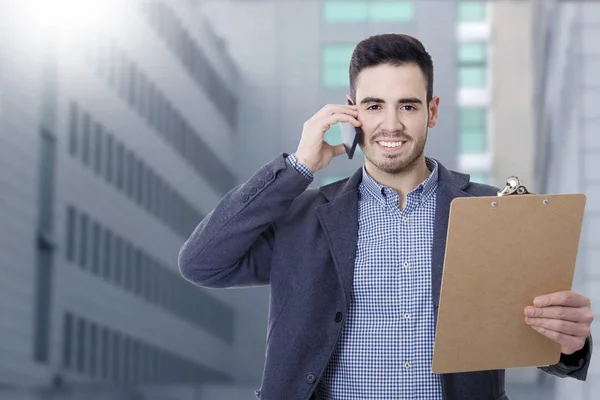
{"x": 502, "y": 252}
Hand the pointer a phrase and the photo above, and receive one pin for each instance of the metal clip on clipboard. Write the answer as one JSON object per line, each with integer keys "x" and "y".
{"x": 513, "y": 187}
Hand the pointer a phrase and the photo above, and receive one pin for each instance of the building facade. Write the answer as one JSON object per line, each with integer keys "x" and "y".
{"x": 116, "y": 140}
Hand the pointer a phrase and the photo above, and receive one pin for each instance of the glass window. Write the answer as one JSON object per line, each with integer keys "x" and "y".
{"x": 126, "y": 359}
{"x": 98, "y": 145}
{"x": 93, "y": 349}
{"x": 472, "y": 57}
{"x": 139, "y": 179}
{"x": 104, "y": 353}
{"x": 137, "y": 275}
{"x": 120, "y": 165}
{"x": 116, "y": 357}
{"x": 335, "y": 11}
{"x": 85, "y": 154}
{"x": 109, "y": 158}
{"x": 81, "y": 345}
{"x": 336, "y": 64}
{"x": 71, "y": 233}
{"x": 96, "y": 248}
{"x": 135, "y": 361}
{"x": 471, "y": 10}
{"x": 108, "y": 254}
{"x": 83, "y": 240}
{"x": 67, "y": 336}
{"x": 118, "y": 266}
{"x": 73, "y": 127}
{"x": 130, "y": 174}
{"x": 113, "y": 64}
{"x": 128, "y": 266}
{"x": 123, "y": 75}
{"x": 132, "y": 83}
{"x": 391, "y": 11}
{"x": 472, "y": 128}
{"x": 149, "y": 189}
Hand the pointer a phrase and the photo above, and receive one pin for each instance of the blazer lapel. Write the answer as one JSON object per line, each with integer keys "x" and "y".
{"x": 339, "y": 220}
{"x": 449, "y": 187}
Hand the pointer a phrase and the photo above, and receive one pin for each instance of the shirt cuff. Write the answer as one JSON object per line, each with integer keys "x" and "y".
{"x": 298, "y": 166}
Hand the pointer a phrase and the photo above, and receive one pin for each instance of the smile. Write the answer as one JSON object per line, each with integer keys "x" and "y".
{"x": 391, "y": 145}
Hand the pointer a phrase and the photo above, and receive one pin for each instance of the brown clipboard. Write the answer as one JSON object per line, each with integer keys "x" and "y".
{"x": 501, "y": 253}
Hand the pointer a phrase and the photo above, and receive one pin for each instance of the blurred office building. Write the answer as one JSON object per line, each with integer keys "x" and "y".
{"x": 118, "y": 122}
{"x": 567, "y": 136}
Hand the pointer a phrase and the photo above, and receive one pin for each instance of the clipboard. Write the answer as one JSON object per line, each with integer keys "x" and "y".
{"x": 501, "y": 253}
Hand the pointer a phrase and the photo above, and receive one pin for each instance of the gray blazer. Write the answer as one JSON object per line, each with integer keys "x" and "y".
{"x": 273, "y": 230}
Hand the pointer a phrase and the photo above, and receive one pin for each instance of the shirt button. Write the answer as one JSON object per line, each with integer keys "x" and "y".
{"x": 405, "y": 219}
{"x": 338, "y": 316}
{"x": 311, "y": 378}
{"x": 405, "y": 264}
{"x": 407, "y": 365}
{"x": 407, "y": 315}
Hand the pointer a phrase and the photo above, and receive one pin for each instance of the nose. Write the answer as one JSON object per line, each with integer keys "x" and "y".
{"x": 392, "y": 121}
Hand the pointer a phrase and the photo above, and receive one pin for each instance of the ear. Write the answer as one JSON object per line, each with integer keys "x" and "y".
{"x": 433, "y": 111}
{"x": 349, "y": 99}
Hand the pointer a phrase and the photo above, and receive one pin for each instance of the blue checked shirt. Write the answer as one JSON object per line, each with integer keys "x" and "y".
{"x": 386, "y": 346}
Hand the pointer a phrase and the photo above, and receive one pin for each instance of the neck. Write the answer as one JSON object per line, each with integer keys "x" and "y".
{"x": 402, "y": 182}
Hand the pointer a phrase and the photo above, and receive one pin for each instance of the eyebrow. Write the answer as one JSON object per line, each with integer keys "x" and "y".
{"x": 410, "y": 100}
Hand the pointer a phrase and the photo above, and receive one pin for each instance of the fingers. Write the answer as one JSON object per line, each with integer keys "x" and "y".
{"x": 566, "y": 298}
{"x": 557, "y": 325}
{"x": 569, "y": 344}
{"x": 335, "y": 118}
{"x": 564, "y": 313}
{"x": 330, "y": 109}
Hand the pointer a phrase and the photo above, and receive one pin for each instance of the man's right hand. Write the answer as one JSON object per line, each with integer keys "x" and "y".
{"x": 313, "y": 151}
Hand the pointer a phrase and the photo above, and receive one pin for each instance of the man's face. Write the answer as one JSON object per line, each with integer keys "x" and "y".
{"x": 395, "y": 116}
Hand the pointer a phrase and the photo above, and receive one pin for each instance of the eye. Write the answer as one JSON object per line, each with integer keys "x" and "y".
{"x": 408, "y": 107}
{"x": 374, "y": 107}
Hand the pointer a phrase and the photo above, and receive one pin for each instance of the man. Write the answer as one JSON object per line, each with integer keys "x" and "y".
{"x": 355, "y": 266}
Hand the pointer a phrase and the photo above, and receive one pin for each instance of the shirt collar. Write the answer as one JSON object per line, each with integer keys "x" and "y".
{"x": 425, "y": 188}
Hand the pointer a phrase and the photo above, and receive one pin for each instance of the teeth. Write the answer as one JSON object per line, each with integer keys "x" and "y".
{"x": 391, "y": 144}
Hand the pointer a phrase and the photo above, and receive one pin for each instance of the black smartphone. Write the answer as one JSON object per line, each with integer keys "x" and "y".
{"x": 350, "y": 136}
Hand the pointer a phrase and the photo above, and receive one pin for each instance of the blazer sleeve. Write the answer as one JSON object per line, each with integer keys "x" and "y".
{"x": 574, "y": 365}
{"x": 233, "y": 245}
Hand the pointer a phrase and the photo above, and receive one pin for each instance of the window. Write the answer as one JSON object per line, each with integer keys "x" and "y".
{"x": 472, "y": 59}
{"x": 128, "y": 266}
{"x": 118, "y": 259}
{"x": 73, "y": 126}
{"x": 335, "y": 67}
{"x": 120, "y": 164}
{"x": 135, "y": 361}
{"x": 116, "y": 357}
{"x": 108, "y": 254}
{"x": 93, "y": 349}
{"x": 472, "y": 129}
{"x": 130, "y": 174}
{"x": 126, "y": 359}
{"x": 336, "y": 11}
{"x": 137, "y": 275}
{"x": 109, "y": 158}
{"x": 96, "y": 248}
{"x": 85, "y": 154}
{"x": 112, "y": 65}
{"x": 132, "y": 83}
{"x": 98, "y": 145}
{"x": 83, "y": 240}
{"x": 139, "y": 178}
{"x": 104, "y": 354}
{"x": 81, "y": 345}
{"x": 67, "y": 336}
{"x": 70, "y": 233}
{"x": 471, "y": 10}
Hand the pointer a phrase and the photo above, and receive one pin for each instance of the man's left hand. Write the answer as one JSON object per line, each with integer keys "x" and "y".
{"x": 564, "y": 317}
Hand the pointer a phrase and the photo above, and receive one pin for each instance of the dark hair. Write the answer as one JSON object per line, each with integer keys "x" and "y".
{"x": 393, "y": 49}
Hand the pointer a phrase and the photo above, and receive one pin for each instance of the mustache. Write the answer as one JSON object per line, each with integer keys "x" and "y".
{"x": 390, "y": 135}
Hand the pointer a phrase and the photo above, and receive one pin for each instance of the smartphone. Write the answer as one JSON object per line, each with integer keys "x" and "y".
{"x": 350, "y": 136}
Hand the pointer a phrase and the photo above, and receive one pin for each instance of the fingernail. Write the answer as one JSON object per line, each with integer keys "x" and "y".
{"x": 537, "y": 302}
{"x": 530, "y": 312}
